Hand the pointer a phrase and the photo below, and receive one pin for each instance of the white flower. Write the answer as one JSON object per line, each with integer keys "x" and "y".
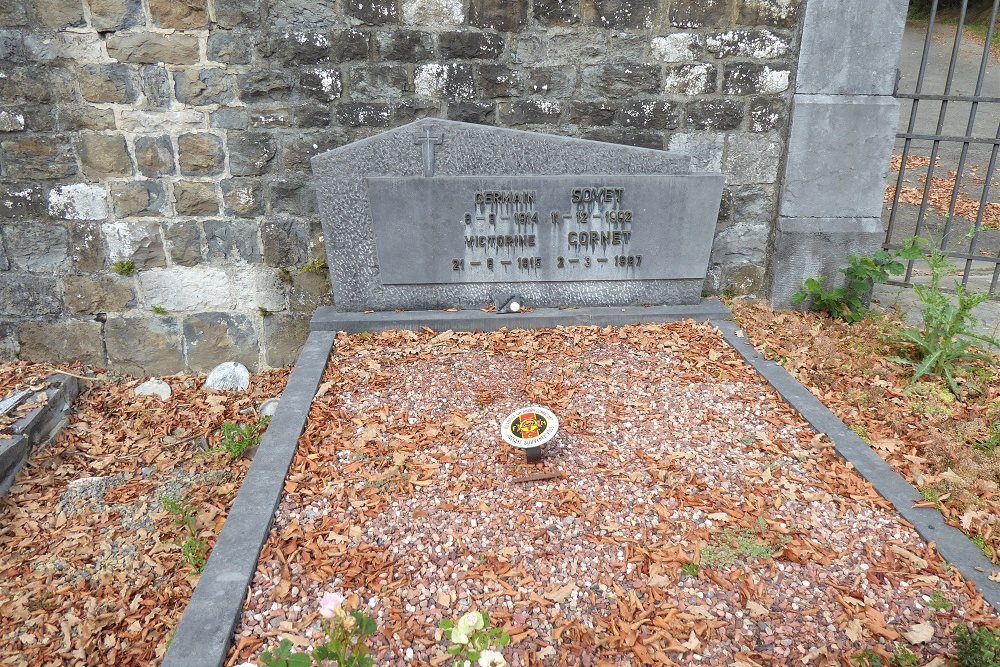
{"x": 330, "y": 603}
{"x": 247, "y": 664}
{"x": 491, "y": 659}
{"x": 460, "y": 634}
{"x": 472, "y": 621}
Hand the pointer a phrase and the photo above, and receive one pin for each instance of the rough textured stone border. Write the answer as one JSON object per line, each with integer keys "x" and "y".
{"x": 206, "y": 629}
{"x": 327, "y": 319}
{"x": 954, "y": 546}
{"x": 37, "y": 427}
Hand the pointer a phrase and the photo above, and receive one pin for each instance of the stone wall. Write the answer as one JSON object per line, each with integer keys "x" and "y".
{"x": 156, "y": 211}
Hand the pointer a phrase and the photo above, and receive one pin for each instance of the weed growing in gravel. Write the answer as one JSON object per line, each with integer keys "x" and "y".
{"x": 902, "y": 657}
{"x": 237, "y": 439}
{"x": 943, "y": 346}
{"x": 194, "y": 550}
{"x": 931, "y": 495}
{"x": 939, "y": 602}
{"x": 746, "y": 543}
{"x": 474, "y": 641}
{"x": 977, "y": 649}
{"x": 345, "y": 629}
{"x": 689, "y": 569}
{"x": 990, "y": 444}
{"x": 868, "y": 658}
{"x": 159, "y": 310}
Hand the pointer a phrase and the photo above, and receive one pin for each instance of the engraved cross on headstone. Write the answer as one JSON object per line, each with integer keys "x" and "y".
{"x": 429, "y": 141}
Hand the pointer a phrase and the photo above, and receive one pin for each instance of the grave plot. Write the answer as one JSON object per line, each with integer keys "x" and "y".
{"x": 104, "y": 530}
{"x": 692, "y": 516}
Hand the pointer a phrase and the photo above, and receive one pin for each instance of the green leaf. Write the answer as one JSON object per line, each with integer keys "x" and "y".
{"x": 299, "y": 660}
{"x": 454, "y": 649}
{"x": 446, "y": 624}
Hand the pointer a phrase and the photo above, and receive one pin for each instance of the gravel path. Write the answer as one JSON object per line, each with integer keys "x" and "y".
{"x": 672, "y": 453}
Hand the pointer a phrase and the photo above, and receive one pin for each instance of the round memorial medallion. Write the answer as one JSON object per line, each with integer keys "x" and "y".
{"x": 529, "y": 428}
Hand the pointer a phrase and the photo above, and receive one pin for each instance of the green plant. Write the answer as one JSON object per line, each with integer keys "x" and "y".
{"x": 902, "y": 657}
{"x": 474, "y": 641}
{"x": 317, "y": 265}
{"x": 977, "y": 649}
{"x": 850, "y": 302}
{"x": 689, "y": 569}
{"x": 194, "y": 550}
{"x": 992, "y": 441}
{"x": 284, "y": 657}
{"x": 345, "y": 631}
{"x": 159, "y": 310}
{"x": 264, "y": 312}
{"x": 931, "y": 495}
{"x": 125, "y": 267}
{"x": 180, "y": 509}
{"x": 862, "y": 433}
{"x": 980, "y": 542}
{"x": 868, "y": 658}
{"x": 943, "y": 345}
{"x": 746, "y": 543}
{"x": 237, "y": 439}
{"x": 939, "y": 602}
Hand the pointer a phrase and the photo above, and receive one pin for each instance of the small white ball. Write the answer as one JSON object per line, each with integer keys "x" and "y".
{"x": 514, "y": 306}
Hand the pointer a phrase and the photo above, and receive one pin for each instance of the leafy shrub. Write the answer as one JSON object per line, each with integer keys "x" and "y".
{"x": 850, "y": 302}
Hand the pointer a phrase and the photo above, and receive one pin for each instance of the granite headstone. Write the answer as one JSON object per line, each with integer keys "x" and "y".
{"x": 439, "y": 214}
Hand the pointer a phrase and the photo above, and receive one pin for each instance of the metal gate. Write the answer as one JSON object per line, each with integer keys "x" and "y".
{"x": 945, "y": 158}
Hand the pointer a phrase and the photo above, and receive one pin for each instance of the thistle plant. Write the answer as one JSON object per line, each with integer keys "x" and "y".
{"x": 474, "y": 642}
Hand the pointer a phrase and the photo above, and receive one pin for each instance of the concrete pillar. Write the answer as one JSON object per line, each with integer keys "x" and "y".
{"x": 842, "y": 129}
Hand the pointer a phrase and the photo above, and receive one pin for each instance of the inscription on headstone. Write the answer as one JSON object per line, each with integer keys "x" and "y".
{"x": 439, "y": 214}
{"x": 538, "y": 228}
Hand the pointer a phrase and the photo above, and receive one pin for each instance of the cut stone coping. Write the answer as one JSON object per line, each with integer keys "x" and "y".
{"x": 328, "y": 319}
{"x": 951, "y": 543}
{"x": 206, "y": 629}
{"x": 37, "y": 427}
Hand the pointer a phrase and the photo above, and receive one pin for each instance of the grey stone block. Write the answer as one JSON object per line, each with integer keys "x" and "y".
{"x": 28, "y": 295}
{"x": 814, "y": 247}
{"x": 212, "y": 338}
{"x": 89, "y": 295}
{"x": 838, "y": 156}
{"x": 144, "y": 346}
{"x": 183, "y": 240}
{"x": 62, "y": 342}
{"x": 850, "y": 48}
{"x": 37, "y": 247}
{"x": 284, "y": 336}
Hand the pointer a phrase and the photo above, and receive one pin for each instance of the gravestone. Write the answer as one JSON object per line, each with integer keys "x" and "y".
{"x": 440, "y": 214}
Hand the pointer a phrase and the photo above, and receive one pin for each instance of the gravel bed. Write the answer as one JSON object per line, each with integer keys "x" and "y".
{"x": 672, "y": 453}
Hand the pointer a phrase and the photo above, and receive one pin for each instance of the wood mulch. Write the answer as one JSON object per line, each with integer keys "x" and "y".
{"x": 673, "y": 459}
{"x": 90, "y": 568}
{"x": 921, "y": 429}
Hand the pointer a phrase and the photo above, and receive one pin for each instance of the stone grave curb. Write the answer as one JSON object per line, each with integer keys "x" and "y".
{"x": 951, "y": 543}
{"x": 328, "y": 319}
{"x": 37, "y": 427}
{"x": 206, "y": 628}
